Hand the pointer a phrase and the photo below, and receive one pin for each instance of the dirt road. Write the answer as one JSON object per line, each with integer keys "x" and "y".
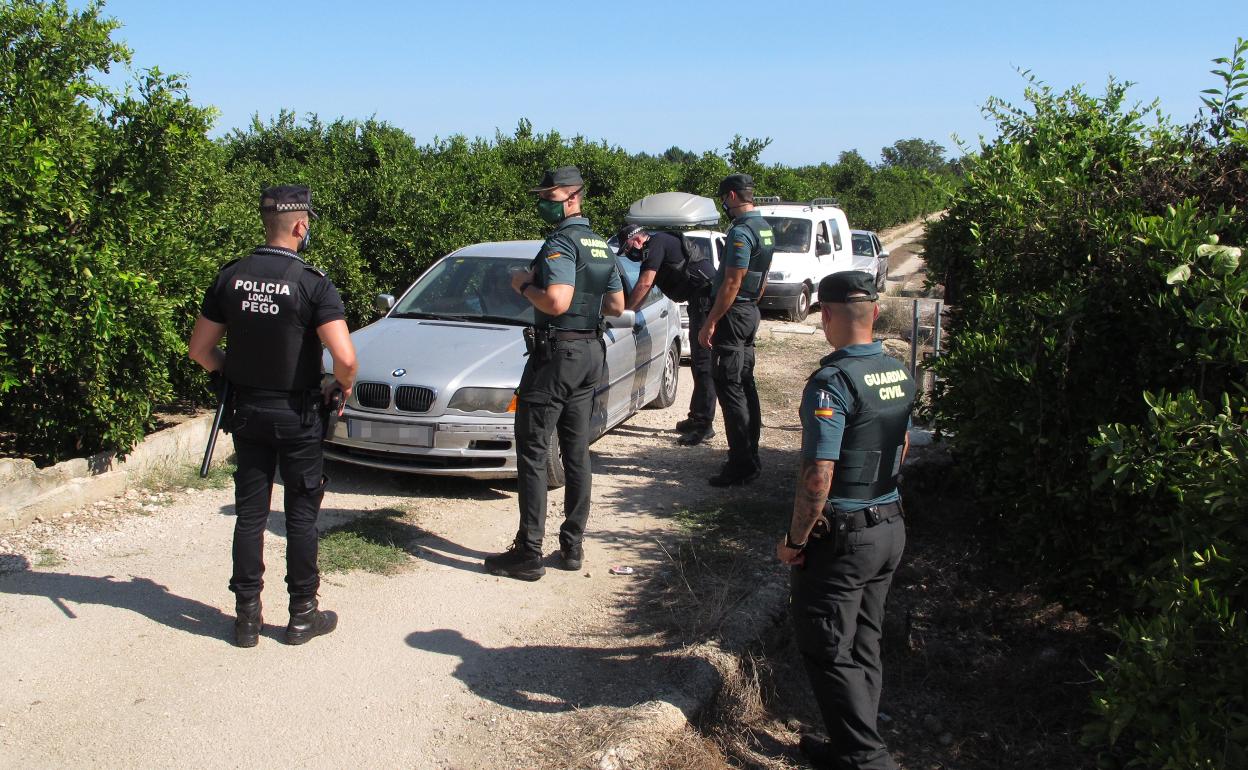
{"x": 120, "y": 656}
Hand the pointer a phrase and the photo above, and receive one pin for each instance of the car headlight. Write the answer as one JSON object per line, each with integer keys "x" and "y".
{"x": 779, "y": 275}
{"x": 484, "y": 400}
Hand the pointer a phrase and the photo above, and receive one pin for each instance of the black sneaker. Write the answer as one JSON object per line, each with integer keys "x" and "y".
{"x": 571, "y": 558}
{"x": 728, "y": 477}
{"x": 516, "y": 563}
{"x": 818, "y": 751}
{"x": 696, "y": 436}
{"x": 308, "y": 621}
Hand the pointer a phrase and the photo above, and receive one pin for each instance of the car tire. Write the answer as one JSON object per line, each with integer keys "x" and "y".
{"x": 801, "y": 306}
{"x": 554, "y": 463}
{"x": 881, "y": 278}
{"x": 669, "y": 383}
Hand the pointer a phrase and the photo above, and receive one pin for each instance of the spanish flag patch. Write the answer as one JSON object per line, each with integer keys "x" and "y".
{"x": 554, "y": 255}
{"x": 824, "y": 406}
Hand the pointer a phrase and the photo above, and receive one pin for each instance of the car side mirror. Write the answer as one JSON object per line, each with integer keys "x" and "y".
{"x": 883, "y": 255}
{"x": 383, "y": 303}
{"x": 624, "y": 320}
{"x": 823, "y": 248}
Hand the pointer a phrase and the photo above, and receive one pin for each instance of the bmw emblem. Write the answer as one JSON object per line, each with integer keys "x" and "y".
{"x": 398, "y": 373}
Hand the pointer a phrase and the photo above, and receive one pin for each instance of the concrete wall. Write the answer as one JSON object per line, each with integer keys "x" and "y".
{"x": 27, "y": 492}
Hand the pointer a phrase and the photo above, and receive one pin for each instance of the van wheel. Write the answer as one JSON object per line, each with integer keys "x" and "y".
{"x": 801, "y": 306}
{"x": 554, "y": 463}
{"x": 671, "y": 379}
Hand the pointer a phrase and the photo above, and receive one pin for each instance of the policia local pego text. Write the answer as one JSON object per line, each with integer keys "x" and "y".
{"x": 260, "y": 295}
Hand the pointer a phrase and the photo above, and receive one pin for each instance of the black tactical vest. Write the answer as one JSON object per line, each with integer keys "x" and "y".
{"x": 760, "y": 257}
{"x": 270, "y": 344}
{"x": 875, "y": 431}
{"x": 594, "y": 266}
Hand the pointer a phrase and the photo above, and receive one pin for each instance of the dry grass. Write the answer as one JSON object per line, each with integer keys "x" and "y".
{"x": 644, "y": 737}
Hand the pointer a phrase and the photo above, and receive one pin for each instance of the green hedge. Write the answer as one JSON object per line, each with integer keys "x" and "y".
{"x": 1095, "y": 388}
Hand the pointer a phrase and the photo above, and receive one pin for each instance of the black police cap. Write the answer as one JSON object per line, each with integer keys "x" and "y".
{"x": 287, "y": 197}
{"x": 622, "y": 236}
{"x": 736, "y": 183}
{"x": 564, "y": 176}
{"x": 849, "y": 286}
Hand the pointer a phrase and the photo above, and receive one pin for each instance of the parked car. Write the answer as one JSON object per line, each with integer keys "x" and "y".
{"x": 811, "y": 241}
{"x": 870, "y": 257}
{"x": 438, "y": 373}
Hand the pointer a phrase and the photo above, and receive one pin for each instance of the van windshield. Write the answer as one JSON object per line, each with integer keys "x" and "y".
{"x": 791, "y": 234}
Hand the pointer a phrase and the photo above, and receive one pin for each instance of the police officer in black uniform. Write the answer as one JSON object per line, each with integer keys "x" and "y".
{"x": 276, "y": 311}
{"x": 847, "y": 533}
{"x": 662, "y": 259}
{"x": 572, "y": 282}
{"x": 731, "y": 325}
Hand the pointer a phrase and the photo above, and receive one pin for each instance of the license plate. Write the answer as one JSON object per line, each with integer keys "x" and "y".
{"x": 390, "y": 433}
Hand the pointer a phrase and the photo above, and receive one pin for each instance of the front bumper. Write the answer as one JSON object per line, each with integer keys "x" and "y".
{"x": 780, "y": 295}
{"x": 447, "y": 446}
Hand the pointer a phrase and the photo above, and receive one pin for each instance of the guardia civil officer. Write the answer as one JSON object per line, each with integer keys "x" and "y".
{"x": 847, "y": 534}
{"x": 661, "y": 258}
{"x": 731, "y": 325}
{"x": 275, "y": 311}
{"x": 572, "y": 282}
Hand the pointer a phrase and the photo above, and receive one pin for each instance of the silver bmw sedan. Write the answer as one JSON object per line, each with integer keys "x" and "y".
{"x": 438, "y": 372}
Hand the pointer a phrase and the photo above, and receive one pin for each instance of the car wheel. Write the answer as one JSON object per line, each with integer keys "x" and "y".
{"x": 554, "y": 463}
{"x": 670, "y": 381}
{"x": 801, "y": 306}
{"x": 881, "y": 277}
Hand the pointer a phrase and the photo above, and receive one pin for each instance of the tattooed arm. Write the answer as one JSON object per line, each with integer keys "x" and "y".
{"x": 814, "y": 480}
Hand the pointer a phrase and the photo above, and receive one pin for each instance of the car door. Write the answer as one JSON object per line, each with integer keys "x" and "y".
{"x": 654, "y": 321}
{"x": 619, "y": 378}
{"x": 842, "y": 254}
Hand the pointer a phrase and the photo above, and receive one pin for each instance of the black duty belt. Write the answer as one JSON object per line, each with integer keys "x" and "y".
{"x": 872, "y": 515}
{"x": 565, "y": 335}
{"x": 294, "y": 399}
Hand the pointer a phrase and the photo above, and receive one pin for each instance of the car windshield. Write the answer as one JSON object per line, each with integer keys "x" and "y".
{"x": 791, "y": 234}
{"x": 862, "y": 245}
{"x": 468, "y": 289}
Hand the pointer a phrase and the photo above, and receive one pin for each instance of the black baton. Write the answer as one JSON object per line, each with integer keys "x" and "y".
{"x": 216, "y": 426}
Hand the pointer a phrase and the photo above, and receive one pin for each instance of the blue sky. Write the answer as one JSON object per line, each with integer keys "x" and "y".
{"x": 816, "y": 77}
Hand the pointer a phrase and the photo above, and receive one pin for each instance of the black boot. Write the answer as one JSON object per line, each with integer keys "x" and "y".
{"x": 516, "y": 562}
{"x": 571, "y": 558}
{"x": 696, "y": 436}
{"x": 306, "y": 621}
{"x": 247, "y": 622}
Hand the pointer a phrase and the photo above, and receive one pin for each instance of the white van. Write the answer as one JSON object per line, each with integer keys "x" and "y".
{"x": 812, "y": 240}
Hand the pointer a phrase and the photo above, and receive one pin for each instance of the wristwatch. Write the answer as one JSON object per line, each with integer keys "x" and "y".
{"x": 788, "y": 542}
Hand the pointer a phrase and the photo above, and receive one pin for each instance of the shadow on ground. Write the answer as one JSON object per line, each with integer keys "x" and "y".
{"x": 553, "y": 678}
{"x": 135, "y": 594}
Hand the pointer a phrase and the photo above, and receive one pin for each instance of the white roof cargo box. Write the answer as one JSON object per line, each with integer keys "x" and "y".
{"x": 673, "y": 209}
